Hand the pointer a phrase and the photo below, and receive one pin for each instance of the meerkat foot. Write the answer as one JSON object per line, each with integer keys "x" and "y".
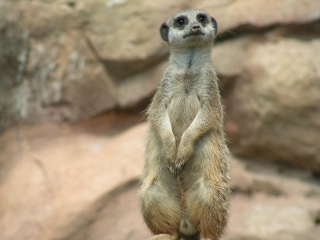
{"x": 164, "y": 237}
{"x": 183, "y": 155}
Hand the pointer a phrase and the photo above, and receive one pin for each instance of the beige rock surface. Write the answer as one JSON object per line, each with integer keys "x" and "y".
{"x": 80, "y": 183}
{"x": 273, "y": 202}
{"x": 54, "y": 180}
{"x": 125, "y": 34}
{"x": 228, "y": 57}
{"x": 263, "y": 13}
{"x": 51, "y": 74}
{"x": 68, "y": 60}
{"x": 52, "y": 53}
{"x": 274, "y": 107}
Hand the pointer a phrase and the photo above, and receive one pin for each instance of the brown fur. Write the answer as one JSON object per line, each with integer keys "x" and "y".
{"x": 185, "y": 186}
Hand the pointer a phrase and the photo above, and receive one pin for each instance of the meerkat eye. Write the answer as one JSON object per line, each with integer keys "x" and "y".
{"x": 202, "y": 18}
{"x": 181, "y": 21}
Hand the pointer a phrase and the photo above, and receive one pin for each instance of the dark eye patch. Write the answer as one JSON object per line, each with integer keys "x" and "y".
{"x": 180, "y": 21}
{"x": 215, "y": 25}
{"x": 203, "y": 19}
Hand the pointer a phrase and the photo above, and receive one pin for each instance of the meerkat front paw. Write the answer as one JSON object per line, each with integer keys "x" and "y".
{"x": 169, "y": 152}
{"x": 171, "y": 163}
{"x": 184, "y": 153}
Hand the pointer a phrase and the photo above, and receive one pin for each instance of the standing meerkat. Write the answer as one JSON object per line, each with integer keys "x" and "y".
{"x": 185, "y": 185}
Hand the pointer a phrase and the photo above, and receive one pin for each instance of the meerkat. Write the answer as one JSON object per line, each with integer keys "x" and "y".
{"x": 185, "y": 185}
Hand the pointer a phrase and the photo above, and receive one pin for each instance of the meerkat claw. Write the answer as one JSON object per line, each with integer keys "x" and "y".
{"x": 178, "y": 167}
{"x": 176, "y": 170}
{"x": 171, "y": 168}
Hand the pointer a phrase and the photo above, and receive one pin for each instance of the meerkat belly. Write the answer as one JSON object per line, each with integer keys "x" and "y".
{"x": 182, "y": 111}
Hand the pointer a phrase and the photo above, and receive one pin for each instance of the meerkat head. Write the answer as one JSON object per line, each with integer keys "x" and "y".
{"x": 189, "y": 28}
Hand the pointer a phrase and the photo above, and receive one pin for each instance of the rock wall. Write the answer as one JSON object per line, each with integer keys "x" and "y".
{"x": 80, "y": 183}
{"x": 69, "y": 60}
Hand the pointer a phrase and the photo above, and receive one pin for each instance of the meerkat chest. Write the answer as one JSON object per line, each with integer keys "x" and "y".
{"x": 183, "y": 108}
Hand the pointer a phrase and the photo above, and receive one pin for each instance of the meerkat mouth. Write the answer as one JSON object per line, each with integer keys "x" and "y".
{"x": 194, "y": 34}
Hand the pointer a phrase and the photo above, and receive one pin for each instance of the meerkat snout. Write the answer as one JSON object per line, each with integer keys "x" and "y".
{"x": 195, "y": 28}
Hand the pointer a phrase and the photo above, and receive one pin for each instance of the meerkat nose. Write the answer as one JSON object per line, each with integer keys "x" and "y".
{"x": 195, "y": 27}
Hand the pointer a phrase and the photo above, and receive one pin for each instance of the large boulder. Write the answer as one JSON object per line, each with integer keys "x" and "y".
{"x": 274, "y": 110}
{"x": 273, "y": 202}
{"x": 54, "y": 179}
{"x": 125, "y": 34}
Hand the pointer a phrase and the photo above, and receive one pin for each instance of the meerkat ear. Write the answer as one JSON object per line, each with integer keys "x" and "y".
{"x": 164, "y": 31}
{"x": 215, "y": 25}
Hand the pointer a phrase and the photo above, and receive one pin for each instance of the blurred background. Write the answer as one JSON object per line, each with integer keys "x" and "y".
{"x": 76, "y": 76}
